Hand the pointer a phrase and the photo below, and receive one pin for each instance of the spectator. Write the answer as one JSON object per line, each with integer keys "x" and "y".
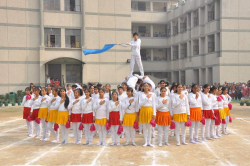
{"x": 57, "y": 82}
{"x": 52, "y": 82}
{"x": 48, "y": 80}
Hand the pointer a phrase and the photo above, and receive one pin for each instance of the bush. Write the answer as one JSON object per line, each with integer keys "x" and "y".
{"x": 247, "y": 101}
{"x": 242, "y": 101}
{"x": 1, "y": 96}
{"x": 19, "y": 93}
{"x": 6, "y": 96}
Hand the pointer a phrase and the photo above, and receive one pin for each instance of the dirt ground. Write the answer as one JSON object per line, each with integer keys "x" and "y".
{"x": 18, "y": 149}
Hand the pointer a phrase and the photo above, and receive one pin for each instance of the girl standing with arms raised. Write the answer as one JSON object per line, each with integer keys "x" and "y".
{"x": 181, "y": 114}
{"x": 195, "y": 105}
{"x": 147, "y": 101}
{"x": 88, "y": 116}
{"x": 52, "y": 115}
{"x": 27, "y": 110}
{"x": 63, "y": 115}
{"x": 227, "y": 100}
{"x": 207, "y": 110}
{"x": 163, "y": 117}
{"x": 129, "y": 105}
{"x": 115, "y": 117}
{"x": 100, "y": 107}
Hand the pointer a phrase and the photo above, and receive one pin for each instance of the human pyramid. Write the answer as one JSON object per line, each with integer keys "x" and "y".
{"x": 137, "y": 104}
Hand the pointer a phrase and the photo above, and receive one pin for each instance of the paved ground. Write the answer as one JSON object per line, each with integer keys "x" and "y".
{"x": 17, "y": 149}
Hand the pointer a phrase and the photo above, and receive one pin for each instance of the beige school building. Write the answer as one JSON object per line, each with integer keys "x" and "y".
{"x": 187, "y": 41}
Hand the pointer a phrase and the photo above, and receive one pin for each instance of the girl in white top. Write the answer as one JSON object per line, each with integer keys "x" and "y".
{"x": 138, "y": 106}
{"x": 207, "y": 110}
{"x": 163, "y": 117}
{"x": 35, "y": 105}
{"x": 101, "y": 111}
{"x": 75, "y": 116}
{"x": 43, "y": 113}
{"x": 181, "y": 114}
{"x": 63, "y": 115}
{"x": 88, "y": 116}
{"x": 52, "y": 115}
{"x": 27, "y": 110}
{"x": 115, "y": 117}
{"x": 227, "y": 100}
{"x": 195, "y": 105}
{"x": 172, "y": 94}
{"x": 108, "y": 92}
{"x": 221, "y": 110}
{"x": 69, "y": 91}
{"x": 49, "y": 91}
{"x": 129, "y": 106}
{"x": 95, "y": 95}
{"x": 147, "y": 102}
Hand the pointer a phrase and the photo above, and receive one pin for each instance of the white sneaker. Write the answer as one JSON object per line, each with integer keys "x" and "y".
{"x": 145, "y": 145}
{"x": 36, "y": 137}
{"x": 54, "y": 141}
{"x": 65, "y": 142}
{"x": 78, "y": 142}
{"x": 30, "y": 135}
{"x": 166, "y": 143}
{"x": 126, "y": 144}
{"x": 90, "y": 143}
{"x": 184, "y": 143}
{"x": 46, "y": 139}
{"x": 192, "y": 141}
{"x": 204, "y": 140}
{"x": 112, "y": 144}
{"x": 149, "y": 144}
{"x": 178, "y": 144}
{"x": 160, "y": 144}
{"x": 215, "y": 137}
{"x": 86, "y": 143}
{"x": 208, "y": 138}
{"x": 118, "y": 144}
{"x": 172, "y": 134}
{"x": 41, "y": 139}
{"x": 122, "y": 136}
{"x": 140, "y": 133}
{"x": 62, "y": 142}
{"x": 103, "y": 144}
{"x": 196, "y": 140}
{"x": 99, "y": 144}
{"x": 133, "y": 144}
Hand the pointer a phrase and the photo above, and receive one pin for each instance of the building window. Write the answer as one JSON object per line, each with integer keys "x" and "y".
{"x": 52, "y": 37}
{"x": 73, "y": 73}
{"x": 72, "y": 5}
{"x": 142, "y": 6}
{"x": 210, "y": 47}
{"x": 72, "y": 38}
{"x": 210, "y": 16}
{"x": 175, "y": 55}
{"x": 196, "y": 21}
{"x": 183, "y": 53}
{"x": 183, "y": 27}
{"x": 196, "y": 50}
{"x": 51, "y": 4}
{"x": 175, "y": 30}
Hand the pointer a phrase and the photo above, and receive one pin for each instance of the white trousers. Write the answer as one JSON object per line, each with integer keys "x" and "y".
{"x": 140, "y": 127}
{"x": 203, "y": 130}
{"x": 102, "y": 132}
{"x": 193, "y": 130}
{"x": 162, "y": 129}
{"x": 64, "y": 133}
{"x": 77, "y": 132}
{"x": 45, "y": 129}
{"x": 223, "y": 126}
{"x": 147, "y": 129}
{"x": 130, "y": 133}
{"x": 212, "y": 128}
{"x": 217, "y": 130}
{"x": 37, "y": 129}
{"x": 227, "y": 121}
{"x": 208, "y": 123}
{"x": 30, "y": 127}
{"x": 88, "y": 134}
{"x": 115, "y": 136}
{"x": 51, "y": 129}
{"x": 136, "y": 58}
{"x": 178, "y": 126}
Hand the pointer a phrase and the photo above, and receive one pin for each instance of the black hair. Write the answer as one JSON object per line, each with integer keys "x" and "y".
{"x": 131, "y": 90}
{"x": 79, "y": 91}
{"x": 120, "y": 87}
{"x": 66, "y": 103}
{"x": 213, "y": 88}
{"x": 84, "y": 86}
{"x": 27, "y": 88}
{"x": 173, "y": 85}
{"x": 117, "y": 95}
{"x": 205, "y": 86}
{"x": 177, "y": 86}
{"x": 74, "y": 86}
{"x": 162, "y": 81}
{"x": 223, "y": 89}
{"x": 193, "y": 87}
{"x": 124, "y": 83}
{"x": 99, "y": 85}
{"x": 38, "y": 88}
{"x": 163, "y": 88}
{"x": 141, "y": 85}
{"x": 135, "y": 34}
{"x": 87, "y": 89}
{"x": 102, "y": 90}
{"x": 167, "y": 83}
{"x": 68, "y": 85}
{"x": 30, "y": 86}
{"x": 45, "y": 90}
{"x": 110, "y": 95}
{"x": 96, "y": 87}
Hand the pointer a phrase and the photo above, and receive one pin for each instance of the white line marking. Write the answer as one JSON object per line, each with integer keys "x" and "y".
{"x": 244, "y": 120}
{"x": 15, "y": 143}
{"x": 99, "y": 154}
{"x": 42, "y": 155}
{"x": 238, "y": 135}
{"x": 3, "y": 122}
{"x": 230, "y": 163}
{"x": 13, "y": 129}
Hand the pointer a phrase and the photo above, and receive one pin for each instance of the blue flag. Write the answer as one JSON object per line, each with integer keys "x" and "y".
{"x": 98, "y": 51}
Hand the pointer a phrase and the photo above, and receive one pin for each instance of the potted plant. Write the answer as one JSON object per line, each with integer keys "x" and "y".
{"x": 6, "y": 102}
{"x": 247, "y": 102}
{"x": 19, "y": 101}
{"x": 13, "y": 102}
{"x": 242, "y": 102}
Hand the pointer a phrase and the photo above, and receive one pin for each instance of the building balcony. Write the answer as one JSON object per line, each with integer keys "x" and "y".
{"x": 155, "y": 42}
{"x": 212, "y": 26}
{"x": 155, "y": 66}
{"x": 148, "y": 17}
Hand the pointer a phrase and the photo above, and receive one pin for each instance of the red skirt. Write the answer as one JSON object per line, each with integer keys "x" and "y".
{"x": 114, "y": 118}
{"x": 208, "y": 114}
{"x": 34, "y": 114}
{"x": 87, "y": 118}
{"x": 217, "y": 114}
{"x": 75, "y": 117}
{"x": 26, "y": 112}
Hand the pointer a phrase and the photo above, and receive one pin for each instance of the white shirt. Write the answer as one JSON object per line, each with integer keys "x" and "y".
{"x": 106, "y": 95}
{"x": 48, "y": 81}
{"x": 130, "y": 108}
{"x": 180, "y": 105}
{"x": 26, "y": 103}
{"x": 151, "y": 102}
{"x": 88, "y": 107}
{"x": 55, "y": 104}
{"x": 35, "y": 104}
{"x": 69, "y": 93}
{"x": 185, "y": 92}
{"x": 206, "y": 101}
{"x": 136, "y": 47}
{"x": 122, "y": 96}
{"x": 50, "y": 94}
{"x": 193, "y": 102}
{"x": 95, "y": 96}
{"x": 220, "y": 104}
{"x": 45, "y": 103}
{"x": 158, "y": 92}
{"x": 113, "y": 108}
{"x": 163, "y": 107}
{"x": 101, "y": 111}
{"x": 215, "y": 103}
{"x": 62, "y": 108}
{"x": 76, "y": 108}
{"x": 227, "y": 100}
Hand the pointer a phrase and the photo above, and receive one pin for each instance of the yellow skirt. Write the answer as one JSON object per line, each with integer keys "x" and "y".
{"x": 180, "y": 117}
{"x": 227, "y": 111}
{"x": 129, "y": 119}
{"x": 62, "y": 117}
{"x": 222, "y": 114}
{"x": 146, "y": 115}
{"x": 52, "y": 116}
{"x": 101, "y": 121}
{"x": 43, "y": 113}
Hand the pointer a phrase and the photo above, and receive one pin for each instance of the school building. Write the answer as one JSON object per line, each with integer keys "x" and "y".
{"x": 187, "y": 41}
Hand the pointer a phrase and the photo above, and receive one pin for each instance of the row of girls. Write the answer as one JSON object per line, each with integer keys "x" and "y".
{"x": 125, "y": 108}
